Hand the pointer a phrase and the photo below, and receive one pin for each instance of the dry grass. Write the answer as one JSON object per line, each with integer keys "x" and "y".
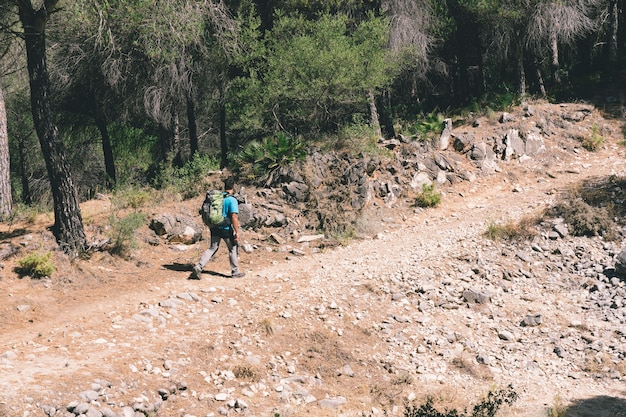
{"x": 558, "y": 409}
{"x": 404, "y": 378}
{"x": 385, "y": 393}
{"x": 372, "y": 288}
{"x": 597, "y": 363}
{"x": 266, "y": 326}
{"x": 469, "y": 366}
{"x": 524, "y": 229}
{"x": 247, "y": 372}
{"x": 324, "y": 354}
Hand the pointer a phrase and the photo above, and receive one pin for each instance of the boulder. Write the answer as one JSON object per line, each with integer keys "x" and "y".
{"x": 462, "y": 143}
{"x": 444, "y": 139}
{"x": 534, "y": 144}
{"x": 246, "y": 215}
{"x": 177, "y": 228}
{"x": 620, "y": 263}
{"x": 514, "y": 146}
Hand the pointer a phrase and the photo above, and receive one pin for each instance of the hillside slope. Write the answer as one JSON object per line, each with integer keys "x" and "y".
{"x": 426, "y": 306}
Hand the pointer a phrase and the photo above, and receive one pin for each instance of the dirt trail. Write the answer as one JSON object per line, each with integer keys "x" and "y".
{"x": 290, "y": 317}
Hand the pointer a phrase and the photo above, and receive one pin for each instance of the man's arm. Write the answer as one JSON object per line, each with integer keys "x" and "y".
{"x": 234, "y": 220}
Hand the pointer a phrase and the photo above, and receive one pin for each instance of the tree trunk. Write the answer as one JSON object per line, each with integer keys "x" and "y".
{"x": 384, "y": 104}
{"x": 165, "y": 142}
{"x": 107, "y": 148}
{"x": 223, "y": 142}
{"x": 193, "y": 128}
{"x": 22, "y": 156}
{"x": 556, "y": 66}
{"x": 177, "y": 160}
{"x": 614, "y": 29}
{"x": 542, "y": 87}
{"x": 6, "y": 200}
{"x": 68, "y": 226}
{"x": 521, "y": 73}
{"x": 374, "y": 120}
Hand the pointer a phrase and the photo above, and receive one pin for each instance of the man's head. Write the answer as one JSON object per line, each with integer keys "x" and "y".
{"x": 229, "y": 184}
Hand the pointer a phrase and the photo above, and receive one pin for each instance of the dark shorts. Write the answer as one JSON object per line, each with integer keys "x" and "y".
{"x": 223, "y": 233}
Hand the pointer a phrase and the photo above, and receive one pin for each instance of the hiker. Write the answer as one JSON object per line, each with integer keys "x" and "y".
{"x": 229, "y": 232}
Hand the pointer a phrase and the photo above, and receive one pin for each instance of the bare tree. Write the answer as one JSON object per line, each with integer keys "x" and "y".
{"x": 186, "y": 56}
{"x": 8, "y": 54}
{"x": 6, "y": 200}
{"x": 409, "y": 24}
{"x": 409, "y": 37}
{"x": 555, "y": 23}
{"x": 68, "y": 225}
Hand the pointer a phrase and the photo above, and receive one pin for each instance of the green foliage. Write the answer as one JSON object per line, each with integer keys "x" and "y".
{"x": 592, "y": 143}
{"x": 494, "y": 101}
{"x": 122, "y": 232}
{"x": 258, "y": 159}
{"x": 36, "y": 264}
{"x": 320, "y": 71}
{"x": 130, "y": 197}
{"x": 21, "y": 212}
{"x": 426, "y": 127}
{"x": 134, "y": 151}
{"x": 429, "y": 197}
{"x": 187, "y": 180}
{"x": 358, "y": 138}
{"x": 487, "y": 407}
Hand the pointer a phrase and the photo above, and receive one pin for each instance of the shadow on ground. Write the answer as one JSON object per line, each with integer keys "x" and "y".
{"x": 601, "y": 406}
{"x": 13, "y": 234}
{"x": 178, "y": 267}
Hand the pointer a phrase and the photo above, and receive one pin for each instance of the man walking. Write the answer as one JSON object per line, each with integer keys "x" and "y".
{"x": 229, "y": 233}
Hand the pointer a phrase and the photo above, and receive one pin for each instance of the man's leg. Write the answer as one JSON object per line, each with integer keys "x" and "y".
{"x": 206, "y": 255}
{"x": 233, "y": 256}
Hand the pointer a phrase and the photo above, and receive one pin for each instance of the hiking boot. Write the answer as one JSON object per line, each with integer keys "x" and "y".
{"x": 195, "y": 273}
{"x": 238, "y": 274}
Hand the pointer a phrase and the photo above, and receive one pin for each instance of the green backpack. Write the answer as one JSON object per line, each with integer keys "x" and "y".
{"x": 213, "y": 208}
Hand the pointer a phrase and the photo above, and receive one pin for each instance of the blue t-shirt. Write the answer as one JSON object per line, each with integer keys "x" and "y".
{"x": 231, "y": 205}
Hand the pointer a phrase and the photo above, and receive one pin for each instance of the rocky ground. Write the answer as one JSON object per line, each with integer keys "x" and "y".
{"x": 426, "y": 306}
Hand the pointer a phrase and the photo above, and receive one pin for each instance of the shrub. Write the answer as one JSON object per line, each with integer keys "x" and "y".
{"x": 122, "y": 233}
{"x": 359, "y": 138}
{"x": 592, "y": 143}
{"x": 487, "y": 407}
{"x": 36, "y": 264}
{"x": 425, "y": 127}
{"x": 595, "y": 208}
{"x": 259, "y": 159}
{"x": 130, "y": 197}
{"x": 586, "y": 220}
{"x": 429, "y": 197}
{"x": 187, "y": 180}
